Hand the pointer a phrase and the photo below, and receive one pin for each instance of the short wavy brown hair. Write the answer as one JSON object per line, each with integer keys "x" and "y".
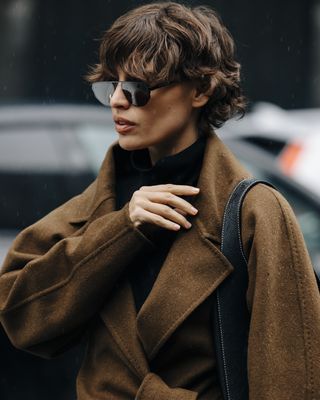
{"x": 169, "y": 41}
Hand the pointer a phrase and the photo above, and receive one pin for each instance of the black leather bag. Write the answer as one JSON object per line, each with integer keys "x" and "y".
{"x": 230, "y": 314}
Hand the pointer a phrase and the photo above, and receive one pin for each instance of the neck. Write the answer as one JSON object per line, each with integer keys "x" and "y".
{"x": 175, "y": 144}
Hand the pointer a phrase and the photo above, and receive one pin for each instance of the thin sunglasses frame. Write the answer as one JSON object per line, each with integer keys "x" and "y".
{"x": 148, "y": 88}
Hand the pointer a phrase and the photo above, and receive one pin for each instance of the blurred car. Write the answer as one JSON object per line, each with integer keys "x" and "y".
{"x": 292, "y": 136}
{"x": 271, "y": 127}
{"x": 305, "y": 204}
{"x": 300, "y": 160}
{"x": 47, "y": 156}
{"x": 51, "y": 153}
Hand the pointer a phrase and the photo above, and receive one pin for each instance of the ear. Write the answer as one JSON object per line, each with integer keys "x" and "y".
{"x": 202, "y": 94}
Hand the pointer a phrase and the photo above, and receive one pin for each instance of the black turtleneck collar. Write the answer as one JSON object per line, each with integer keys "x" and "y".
{"x": 134, "y": 169}
{"x": 174, "y": 168}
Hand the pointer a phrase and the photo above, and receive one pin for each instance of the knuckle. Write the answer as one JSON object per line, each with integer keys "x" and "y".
{"x": 135, "y": 194}
{"x": 138, "y": 202}
{"x": 157, "y": 219}
{"x": 169, "y": 196}
{"x": 138, "y": 196}
{"x": 168, "y": 210}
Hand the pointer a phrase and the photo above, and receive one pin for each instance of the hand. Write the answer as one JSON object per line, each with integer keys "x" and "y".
{"x": 161, "y": 205}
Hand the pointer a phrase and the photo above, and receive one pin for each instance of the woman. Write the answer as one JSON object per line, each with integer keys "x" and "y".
{"x": 133, "y": 261}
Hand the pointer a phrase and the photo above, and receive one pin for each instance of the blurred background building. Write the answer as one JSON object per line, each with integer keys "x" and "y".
{"x": 46, "y": 47}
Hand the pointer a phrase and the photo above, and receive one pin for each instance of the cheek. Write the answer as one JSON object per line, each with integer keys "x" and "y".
{"x": 160, "y": 120}
{"x": 169, "y": 112}
{"x": 177, "y": 117}
{"x": 170, "y": 115}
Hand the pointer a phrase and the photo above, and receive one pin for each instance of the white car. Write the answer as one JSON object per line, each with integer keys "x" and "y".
{"x": 292, "y": 136}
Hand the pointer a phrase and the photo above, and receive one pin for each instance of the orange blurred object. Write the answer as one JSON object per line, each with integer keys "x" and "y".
{"x": 289, "y": 157}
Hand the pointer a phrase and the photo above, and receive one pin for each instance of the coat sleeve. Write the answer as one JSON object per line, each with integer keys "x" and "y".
{"x": 56, "y": 276}
{"x": 284, "y": 335}
{"x": 153, "y": 387}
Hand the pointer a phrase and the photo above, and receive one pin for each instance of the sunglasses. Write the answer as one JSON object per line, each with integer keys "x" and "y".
{"x": 136, "y": 92}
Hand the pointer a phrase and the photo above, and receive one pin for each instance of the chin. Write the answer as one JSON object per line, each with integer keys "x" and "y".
{"x": 130, "y": 143}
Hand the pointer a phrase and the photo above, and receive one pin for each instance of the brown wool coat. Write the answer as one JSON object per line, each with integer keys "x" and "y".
{"x": 68, "y": 268}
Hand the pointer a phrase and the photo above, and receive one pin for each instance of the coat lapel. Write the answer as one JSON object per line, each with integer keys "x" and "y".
{"x": 119, "y": 315}
{"x": 191, "y": 272}
{"x": 194, "y": 266}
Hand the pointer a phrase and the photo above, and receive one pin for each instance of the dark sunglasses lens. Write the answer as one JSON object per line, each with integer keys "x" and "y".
{"x": 137, "y": 93}
{"x": 103, "y": 91}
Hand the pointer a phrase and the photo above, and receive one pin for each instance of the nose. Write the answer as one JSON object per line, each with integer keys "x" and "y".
{"x": 118, "y": 99}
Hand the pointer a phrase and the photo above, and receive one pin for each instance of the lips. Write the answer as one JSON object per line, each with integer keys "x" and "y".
{"x": 123, "y": 124}
{"x": 123, "y": 121}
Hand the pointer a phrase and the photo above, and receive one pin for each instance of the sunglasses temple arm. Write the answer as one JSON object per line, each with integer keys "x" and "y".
{"x": 162, "y": 85}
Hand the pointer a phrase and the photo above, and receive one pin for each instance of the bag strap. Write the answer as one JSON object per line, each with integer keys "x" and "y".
{"x": 230, "y": 313}
{"x": 231, "y": 317}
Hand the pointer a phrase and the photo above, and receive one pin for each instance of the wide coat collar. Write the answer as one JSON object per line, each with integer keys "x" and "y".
{"x": 192, "y": 270}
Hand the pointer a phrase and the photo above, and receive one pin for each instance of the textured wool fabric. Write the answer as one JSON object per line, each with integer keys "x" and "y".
{"x": 69, "y": 273}
{"x": 153, "y": 387}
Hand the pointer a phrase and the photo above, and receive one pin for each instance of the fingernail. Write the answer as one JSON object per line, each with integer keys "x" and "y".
{"x": 195, "y": 190}
{"x": 188, "y": 225}
{"x": 194, "y": 210}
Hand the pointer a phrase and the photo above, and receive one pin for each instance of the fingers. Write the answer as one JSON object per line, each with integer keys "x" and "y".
{"x": 168, "y": 213}
{"x": 181, "y": 212}
{"x": 161, "y": 205}
{"x": 156, "y": 219}
{"x": 179, "y": 190}
{"x": 171, "y": 200}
